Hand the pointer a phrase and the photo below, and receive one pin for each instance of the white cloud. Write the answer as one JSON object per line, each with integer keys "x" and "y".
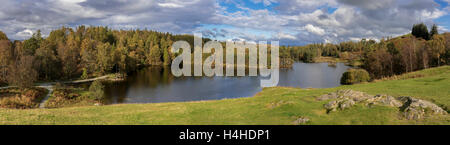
{"x": 315, "y": 30}
{"x": 25, "y": 33}
{"x": 265, "y": 2}
{"x": 72, "y": 1}
{"x": 370, "y": 4}
{"x": 296, "y": 6}
{"x": 432, "y": 14}
{"x": 285, "y": 36}
{"x": 170, "y": 5}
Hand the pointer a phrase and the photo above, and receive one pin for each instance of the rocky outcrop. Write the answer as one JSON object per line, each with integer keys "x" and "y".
{"x": 417, "y": 109}
{"x": 301, "y": 120}
{"x": 339, "y": 104}
{"x": 411, "y": 108}
{"x": 383, "y": 100}
{"x": 355, "y": 95}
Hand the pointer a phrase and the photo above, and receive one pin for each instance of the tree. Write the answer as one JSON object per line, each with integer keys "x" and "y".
{"x": 24, "y": 75}
{"x": 69, "y": 56}
{"x": 155, "y": 55}
{"x": 96, "y": 90}
{"x": 393, "y": 52}
{"x": 437, "y": 46}
{"x": 3, "y": 36}
{"x": 88, "y": 54}
{"x": 104, "y": 59}
{"x": 434, "y": 30}
{"x": 420, "y": 31}
{"x": 122, "y": 60}
{"x": 165, "y": 44}
{"x": 46, "y": 61}
{"x": 30, "y": 45}
{"x": 5, "y": 58}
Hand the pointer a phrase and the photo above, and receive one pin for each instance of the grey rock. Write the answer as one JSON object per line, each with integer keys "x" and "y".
{"x": 354, "y": 95}
{"x": 410, "y": 107}
{"x": 384, "y": 100}
{"x": 331, "y": 106}
{"x": 346, "y": 103}
{"x": 301, "y": 120}
{"x": 339, "y": 104}
{"x": 417, "y": 109}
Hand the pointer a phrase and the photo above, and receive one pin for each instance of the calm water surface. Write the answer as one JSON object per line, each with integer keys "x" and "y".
{"x": 153, "y": 85}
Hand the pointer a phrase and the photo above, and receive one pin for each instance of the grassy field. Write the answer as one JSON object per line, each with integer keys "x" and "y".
{"x": 277, "y": 106}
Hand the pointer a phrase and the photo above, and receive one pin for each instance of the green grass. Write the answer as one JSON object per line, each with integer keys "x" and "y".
{"x": 271, "y": 106}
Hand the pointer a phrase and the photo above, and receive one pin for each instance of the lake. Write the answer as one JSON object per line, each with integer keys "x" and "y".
{"x": 157, "y": 84}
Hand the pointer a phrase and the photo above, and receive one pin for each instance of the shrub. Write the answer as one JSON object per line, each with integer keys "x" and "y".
{"x": 70, "y": 97}
{"x": 355, "y": 76}
{"x": 65, "y": 93}
{"x": 21, "y": 98}
{"x": 85, "y": 74}
{"x": 96, "y": 90}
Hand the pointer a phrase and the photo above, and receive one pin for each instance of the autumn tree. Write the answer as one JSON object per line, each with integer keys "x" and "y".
{"x": 104, "y": 59}
{"x": 437, "y": 46}
{"x": 3, "y": 36}
{"x": 434, "y": 31}
{"x": 46, "y": 61}
{"x": 154, "y": 54}
{"x": 5, "y": 57}
{"x": 68, "y": 53}
{"x": 88, "y": 55}
{"x": 24, "y": 75}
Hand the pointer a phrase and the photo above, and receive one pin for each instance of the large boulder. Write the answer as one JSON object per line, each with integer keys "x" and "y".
{"x": 410, "y": 107}
{"x": 301, "y": 120}
{"x": 384, "y": 100}
{"x": 340, "y": 104}
{"x": 354, "y": 95}
{"x": 417, "y": 109}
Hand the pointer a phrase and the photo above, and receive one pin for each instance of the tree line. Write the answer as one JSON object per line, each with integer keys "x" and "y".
{"x": 390, "y": 56}
{"x": 93, "y": 51}
{"x": 82, "y": 52}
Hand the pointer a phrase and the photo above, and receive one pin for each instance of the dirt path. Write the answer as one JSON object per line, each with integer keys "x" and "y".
{"x": 49, "y": 87}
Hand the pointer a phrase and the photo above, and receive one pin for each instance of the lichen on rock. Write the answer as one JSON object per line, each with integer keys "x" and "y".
{"x": 301, "y": 120}
{"x": 410, "y": 107}
{"x": 340, "y": 104}
{"x": 417, "y": 109}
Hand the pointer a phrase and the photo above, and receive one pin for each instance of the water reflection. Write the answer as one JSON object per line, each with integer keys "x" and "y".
{"x": 157, "y": 84}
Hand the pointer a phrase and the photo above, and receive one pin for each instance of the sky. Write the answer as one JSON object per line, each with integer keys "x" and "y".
{"x": 292, "y": 22}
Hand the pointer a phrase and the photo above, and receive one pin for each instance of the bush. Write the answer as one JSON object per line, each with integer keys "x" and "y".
{"x": 96, "y": 90}
{"x": 65, "y": 93}
{"x": 21, "y": 98}
{"x": 85, "y": 74}
{"x": 70, "y": 97}
{"x": 355, "y": 76}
